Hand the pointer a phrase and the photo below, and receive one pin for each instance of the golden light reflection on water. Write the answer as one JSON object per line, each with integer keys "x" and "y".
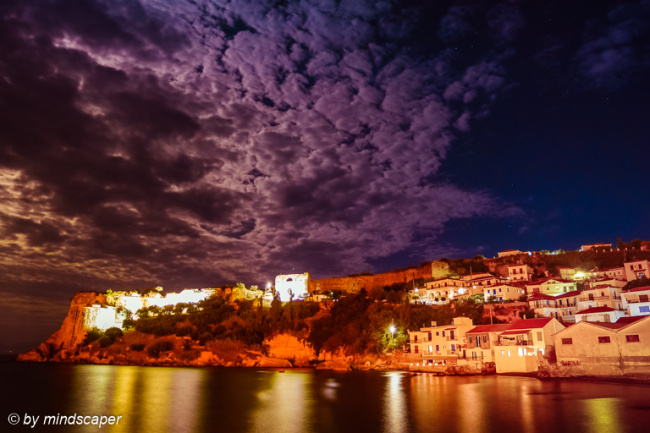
{"x": 527, "y": 409}
{"x": 286, "y": 405}
{"x": 603, "y": 414}
{"x": 471, "y": 417}
{"x": 123, "y": 397}
{"x": 395, "y": 413}
{"x": 148, "y": 399}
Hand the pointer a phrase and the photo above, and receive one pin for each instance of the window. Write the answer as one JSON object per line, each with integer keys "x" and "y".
{"x": 485, "y": 339}
{"x": 430, "y": 336}
{"x": 503, "y": 352}
{"x": 415, "y": 340}
{"x": 539, "y": 336}
{"x": 416, "y": 349}
{"x": 634, "y": 338}
{"x": 437, "y": 334}
{"x": 437, "y": 348}
{"x": 603, "y": 339}
{"x": 567, "y": 341}
{"x": 430, "y": 348}
{"x": 509, "y": 353}
{"x": 644, "y": 309}
{"x": 643, "y": 298}
{"x": 443, "y": 333}
{"x": 591, "y": 296}
{"x": 453, "y": 347}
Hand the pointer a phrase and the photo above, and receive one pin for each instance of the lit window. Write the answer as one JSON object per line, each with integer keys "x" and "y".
{"x": 603, "y": 339}
{"x": 644, "y": 309}
{"x": 634, "y": 338}
{"x": 509, "y": 353}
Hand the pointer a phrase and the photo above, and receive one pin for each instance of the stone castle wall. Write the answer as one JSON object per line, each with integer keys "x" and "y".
{"x": 353, "y": 284}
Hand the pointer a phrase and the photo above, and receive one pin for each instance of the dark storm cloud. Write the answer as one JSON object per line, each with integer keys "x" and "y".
{"x": 615, "y": 47}
{"x": 194, "y": 144}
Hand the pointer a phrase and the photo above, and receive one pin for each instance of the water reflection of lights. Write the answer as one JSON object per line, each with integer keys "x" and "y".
{"x": 329, "y": 391}
{"x": 287, "y": 403}
{"x": 527, "y": 409}
{"x": 472, "y": 416}
{"x": 395, "y": 414}
{"x": 603, "y": 414}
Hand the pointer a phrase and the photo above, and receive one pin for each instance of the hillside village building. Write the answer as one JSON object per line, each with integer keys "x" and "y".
{"x": 637, "y": 270}
{"x": 503, "y": 292}
{"x": 637, "y": 301}
{"x": 599, "y": 314}
{"x": 440, "y": 343}
{"x": 518, "y": 348}
{"x": 598, "y": 247}
{"x": 520, "y": 273}
{"x": 481, "y": 341}
{"x": 292, "y": 286}
{"x": 601, "y": 295}
{"x": 507, "y": 253}
{"x": 616, "y": 273}
{"x": 605, "y": 348}
{"x": 550, "y": 286}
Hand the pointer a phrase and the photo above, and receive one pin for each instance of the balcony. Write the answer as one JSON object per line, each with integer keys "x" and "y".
{"x": 515, "y": 343}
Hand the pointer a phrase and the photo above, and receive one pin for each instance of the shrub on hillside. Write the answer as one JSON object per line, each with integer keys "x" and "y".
{"x": 114, "y": 333}
{"x": 159, "y": 346}
{"x": 137, "y": 347}
{"x": 92, "y": 335}
{"x": 105, "y": 341}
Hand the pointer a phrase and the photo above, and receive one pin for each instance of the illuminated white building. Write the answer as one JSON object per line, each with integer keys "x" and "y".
{"x": 292, "y": 286}
{"x": 103, "y": 317}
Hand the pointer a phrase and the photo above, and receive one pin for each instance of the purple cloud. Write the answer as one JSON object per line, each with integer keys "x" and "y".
{"x": 198, "y": 143}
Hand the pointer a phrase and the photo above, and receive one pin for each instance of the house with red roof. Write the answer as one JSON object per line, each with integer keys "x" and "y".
{"x": 605, "y": 349}
{"x": 637, "y": 301}
{"x": 481, "y": 341}
{"x": 518, "y": 349}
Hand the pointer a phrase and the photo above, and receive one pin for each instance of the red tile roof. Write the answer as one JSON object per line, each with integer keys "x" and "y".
{"x": 593, "y": 310}
{"x": 489, "y": 328}
{"x": 607, "y": 325}
{"x": 531, "y": 323}
{"x": 538, "y": 296}
{"x": 629, "y": 319}
{"x": 568, "y": 294}
{"x": 637, "y": 289}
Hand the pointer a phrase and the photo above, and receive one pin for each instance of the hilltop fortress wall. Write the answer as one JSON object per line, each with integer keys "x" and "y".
{"x": 354, "y": 283}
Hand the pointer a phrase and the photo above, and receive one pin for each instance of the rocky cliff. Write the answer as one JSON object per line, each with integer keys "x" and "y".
{"x": 71, "y": 333}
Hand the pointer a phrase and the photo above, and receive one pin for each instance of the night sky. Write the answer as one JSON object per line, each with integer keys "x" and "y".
{"x": 199, "y": 143}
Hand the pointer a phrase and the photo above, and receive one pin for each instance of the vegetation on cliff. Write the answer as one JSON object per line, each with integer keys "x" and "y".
{"x": 355, "y": 324}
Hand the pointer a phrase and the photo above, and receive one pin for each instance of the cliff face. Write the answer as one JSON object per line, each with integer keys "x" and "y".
{"x": 71, "y": 333}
